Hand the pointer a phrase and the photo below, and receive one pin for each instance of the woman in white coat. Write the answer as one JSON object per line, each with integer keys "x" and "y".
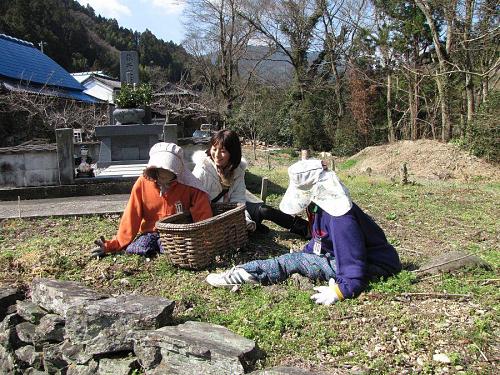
{"x": 222, "y": 174}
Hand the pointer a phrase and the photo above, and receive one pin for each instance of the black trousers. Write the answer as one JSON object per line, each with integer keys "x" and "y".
{"x": 260, "y": 211}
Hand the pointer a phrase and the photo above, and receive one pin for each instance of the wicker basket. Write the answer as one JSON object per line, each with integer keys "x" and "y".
{"x": 195, "y": 245}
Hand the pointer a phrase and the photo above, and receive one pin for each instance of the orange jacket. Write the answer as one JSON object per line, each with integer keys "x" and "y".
{"x": 145, "y": 207}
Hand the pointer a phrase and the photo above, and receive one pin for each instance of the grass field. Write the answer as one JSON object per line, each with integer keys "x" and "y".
{"x": 395, "y": 327}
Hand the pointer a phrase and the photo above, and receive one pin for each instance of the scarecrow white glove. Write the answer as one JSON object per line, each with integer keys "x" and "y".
{"x": 326, "y": 294}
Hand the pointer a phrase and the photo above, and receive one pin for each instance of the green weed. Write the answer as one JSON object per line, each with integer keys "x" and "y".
{"x": 421, "y": 221}
{"x": 349, "y": 163}
{"x": 402, "y": 282}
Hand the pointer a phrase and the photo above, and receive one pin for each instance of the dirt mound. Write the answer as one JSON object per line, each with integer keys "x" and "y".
{"x": 425, "y": 160}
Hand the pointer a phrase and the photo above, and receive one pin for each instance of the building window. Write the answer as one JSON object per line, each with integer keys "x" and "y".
{"x": 77, "y": 135}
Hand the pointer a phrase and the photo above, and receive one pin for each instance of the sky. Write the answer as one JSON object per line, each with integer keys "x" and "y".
{"x": 161, "y": 17}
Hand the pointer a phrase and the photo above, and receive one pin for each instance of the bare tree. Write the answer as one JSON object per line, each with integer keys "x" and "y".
{"x": 183, "y": 101}
{"x": 477, "y": 49}
{"x": 50, "y": 112}
{"x": 477, "y": 22}
{"x": 342, "y": 22}
{"x": 218, "y": 38}
{"x": 386, "y": 52}
{"x": 487, "y": 46}
{"x": 469, "y": 84}
{"x": 247, "y": 122}
{"x": 442, "y": 50}
{"x": 289, "y": 26}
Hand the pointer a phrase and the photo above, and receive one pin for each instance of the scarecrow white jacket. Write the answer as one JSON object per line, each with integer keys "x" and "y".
{"x": 206, "y": 172}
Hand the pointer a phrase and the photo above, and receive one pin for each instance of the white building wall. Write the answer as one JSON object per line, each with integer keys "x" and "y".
{"x": 98, "y": 90}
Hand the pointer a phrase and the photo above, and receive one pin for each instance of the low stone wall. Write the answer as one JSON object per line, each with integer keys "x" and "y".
{"x": 39, "y": 164}
{"x": 67, "y": 328}
{"x": 81, "y": 187}
{"x": 29, "y": 166}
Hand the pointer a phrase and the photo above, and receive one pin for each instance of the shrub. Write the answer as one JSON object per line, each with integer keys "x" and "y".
{"x": 131, "y": 96}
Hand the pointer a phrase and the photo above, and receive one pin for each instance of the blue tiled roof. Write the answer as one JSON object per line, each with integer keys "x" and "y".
{"x": 46, "y": 90}
{"x": 20, "y": 60}
{"x": 78, "y": 95}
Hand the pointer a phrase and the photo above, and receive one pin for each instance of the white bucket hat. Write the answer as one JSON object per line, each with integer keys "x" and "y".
{"x": 309, "y": 182}
{"x": 171, "y": 157}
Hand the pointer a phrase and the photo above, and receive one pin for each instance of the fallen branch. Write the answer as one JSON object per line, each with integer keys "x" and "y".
{"x": 484, "y": 280}
{"x": 437, "y": 295}
{"x": 480, "y": 351}
{"x": 408, "y": 250}
{"x": 431, "y": 277}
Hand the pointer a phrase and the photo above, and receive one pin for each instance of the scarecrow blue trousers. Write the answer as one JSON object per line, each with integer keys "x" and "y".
{"x": 146, "y": 244}
{"x": 274, "y": 270}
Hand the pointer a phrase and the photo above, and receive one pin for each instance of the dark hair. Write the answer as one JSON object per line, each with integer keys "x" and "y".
{"x": 231, "y": 142}
{"x": 151, "y": 173}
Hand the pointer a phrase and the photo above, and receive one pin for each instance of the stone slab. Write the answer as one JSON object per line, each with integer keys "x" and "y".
{"x": 194, "y": 347}
{"x": 8, "y": 297}
{"x": 60, "y": 296}
{"x": 104, "y": 326}
{"x": 451, "y": 261}
{"x": 30, "y": 311}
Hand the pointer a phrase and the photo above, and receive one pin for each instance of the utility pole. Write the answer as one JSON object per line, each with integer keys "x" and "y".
{"x": 41, "y": 44}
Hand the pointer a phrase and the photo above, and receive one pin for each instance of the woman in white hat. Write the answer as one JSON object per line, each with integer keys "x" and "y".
{"x": 166, "y": 187}
{"x": 221, "y": 171}
{"x": 347, "y": 248}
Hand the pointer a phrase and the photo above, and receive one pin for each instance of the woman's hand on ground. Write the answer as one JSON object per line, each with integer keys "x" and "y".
{"x": 100, "y": 250}
{"x": 326, "y": 294}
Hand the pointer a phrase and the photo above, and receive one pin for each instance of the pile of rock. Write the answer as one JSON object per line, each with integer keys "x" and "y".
{"x": 68, "y": 328}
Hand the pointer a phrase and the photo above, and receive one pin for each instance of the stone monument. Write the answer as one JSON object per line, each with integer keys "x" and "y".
{"x": 130, "y": 144}
{"x": 129, "y": 67}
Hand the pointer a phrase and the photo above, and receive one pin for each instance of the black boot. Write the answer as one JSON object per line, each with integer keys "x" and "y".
{"x": 301, "y": 227}
{"x": 259, "y": 216}
{"x": 261, "y": 228}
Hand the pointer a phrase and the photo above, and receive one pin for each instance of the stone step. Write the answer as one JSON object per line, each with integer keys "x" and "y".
{"x": 125, "y": 170}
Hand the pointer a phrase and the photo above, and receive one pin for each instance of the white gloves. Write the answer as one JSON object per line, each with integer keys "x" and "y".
{"x": 326, "y": 294}
{"x": 251, "y": 225}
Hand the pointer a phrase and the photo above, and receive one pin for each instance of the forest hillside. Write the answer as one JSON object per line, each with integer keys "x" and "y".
{"x": 79, "y": 40}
